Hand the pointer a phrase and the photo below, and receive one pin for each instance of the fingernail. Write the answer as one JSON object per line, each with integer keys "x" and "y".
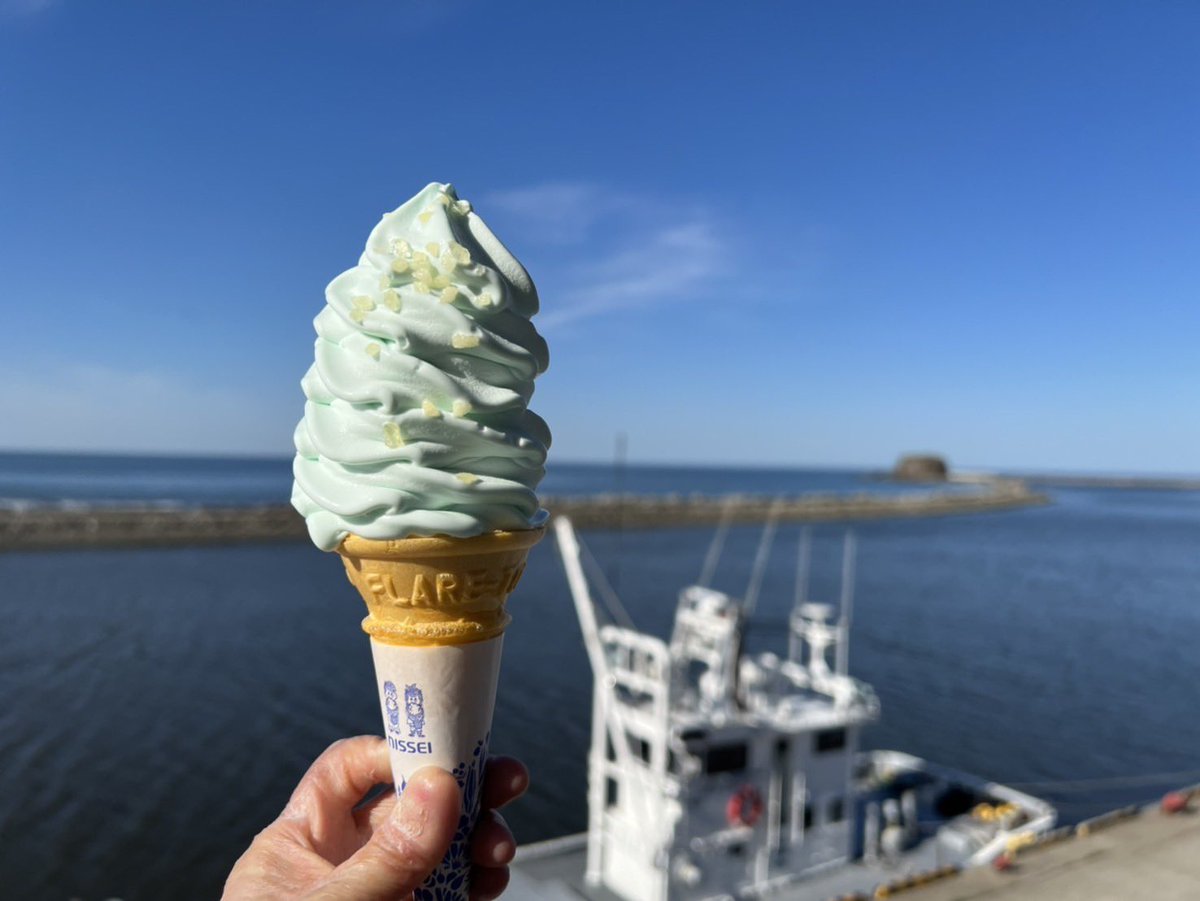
{"x": 506, "y": 848}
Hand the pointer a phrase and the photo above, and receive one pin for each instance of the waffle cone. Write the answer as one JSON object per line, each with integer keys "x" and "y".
{"x": 437, "y": 590}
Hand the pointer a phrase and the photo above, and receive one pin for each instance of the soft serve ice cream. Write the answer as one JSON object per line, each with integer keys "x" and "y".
{"x": 417, "y": 421}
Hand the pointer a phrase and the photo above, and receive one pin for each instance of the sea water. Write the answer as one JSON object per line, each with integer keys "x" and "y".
{"x": 160, "y": 705}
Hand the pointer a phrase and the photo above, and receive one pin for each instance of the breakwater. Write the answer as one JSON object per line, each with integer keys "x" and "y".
{"x": 615, "y": 511}
{"x": 1125, "y": 483}
{"x": 50, "y": 527}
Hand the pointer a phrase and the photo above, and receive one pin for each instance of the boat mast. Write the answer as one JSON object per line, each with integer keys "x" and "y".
{"x": 750, "y": 601}
{"x": 713, "y": 557}
{"x": 846, "y": 606}
{"x": 803, "y": 571}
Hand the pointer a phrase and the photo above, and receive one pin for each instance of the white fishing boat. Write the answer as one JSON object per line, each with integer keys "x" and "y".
{"x": 714, "y": 774}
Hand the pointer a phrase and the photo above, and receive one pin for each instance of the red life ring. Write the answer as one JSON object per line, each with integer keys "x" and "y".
{"x": 744, "y": 806}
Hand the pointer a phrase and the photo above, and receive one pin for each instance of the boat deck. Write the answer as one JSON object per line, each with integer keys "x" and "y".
{"x": 1149, "y": 855}
{"x": 553, "y": 871}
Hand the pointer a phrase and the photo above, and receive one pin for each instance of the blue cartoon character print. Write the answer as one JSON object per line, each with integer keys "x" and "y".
{"x": 414, "y": 709}
{"x": 391, "y": 703}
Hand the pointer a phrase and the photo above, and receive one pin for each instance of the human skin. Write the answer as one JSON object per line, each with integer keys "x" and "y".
{"x": 328, "y": 846}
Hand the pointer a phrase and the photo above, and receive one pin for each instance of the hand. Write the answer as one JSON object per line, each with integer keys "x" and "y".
{"x": 327, "y": 846}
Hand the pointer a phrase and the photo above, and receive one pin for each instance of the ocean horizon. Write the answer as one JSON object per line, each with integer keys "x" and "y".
{"x": 83, "y": 479}
{"x": 33, "y": 478}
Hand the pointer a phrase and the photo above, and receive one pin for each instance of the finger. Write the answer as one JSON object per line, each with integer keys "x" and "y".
{"x": 506, "y": 779}
{"x": 488, "y": 882}
{"x": 492, "y": 844}
{"x": 368, "y": 817}
{"x": 404, "y": 850}
{"x": 341, "y": 776}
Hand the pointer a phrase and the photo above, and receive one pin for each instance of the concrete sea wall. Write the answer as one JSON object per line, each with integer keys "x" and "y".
{"x": 54, "y": 527}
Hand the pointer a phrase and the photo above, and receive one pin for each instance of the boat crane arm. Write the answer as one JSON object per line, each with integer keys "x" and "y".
{"x": 585, "y": 607}
{"x": 605, "y": 681}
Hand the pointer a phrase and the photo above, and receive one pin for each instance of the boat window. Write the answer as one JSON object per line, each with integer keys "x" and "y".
{"x": 830, "y": 740}
{"x": 783, "y": 768}
{"x": 725, "y": 759}
{"x": 610, "y": 792}
{"x": 808, "y": 816}
{"x": 640, "y": 748}
{"x": 609, "y": 752}
{"x": 836, "y": 811}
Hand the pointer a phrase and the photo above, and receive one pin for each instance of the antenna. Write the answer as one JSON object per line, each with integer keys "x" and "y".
{"x": 620, "y": 454}
{"x": 760, "y": 559}
{"x": 849, "y": 553}
{"x": 803, "y": 566}
{"x": 709, "y": 569}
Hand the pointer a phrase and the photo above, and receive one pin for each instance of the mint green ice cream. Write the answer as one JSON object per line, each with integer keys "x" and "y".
{"x": 417, "y": 420}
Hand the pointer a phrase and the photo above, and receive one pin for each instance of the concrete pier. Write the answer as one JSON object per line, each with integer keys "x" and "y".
{"x": 1151, "y": 855}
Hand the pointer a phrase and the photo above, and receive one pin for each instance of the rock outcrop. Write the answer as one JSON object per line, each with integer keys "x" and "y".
{"x": 921, "y": 468}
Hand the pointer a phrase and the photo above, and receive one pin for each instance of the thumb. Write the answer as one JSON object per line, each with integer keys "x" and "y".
{"x": 405, "y": 848}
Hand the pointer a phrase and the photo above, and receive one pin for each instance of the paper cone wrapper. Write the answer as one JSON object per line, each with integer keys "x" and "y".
{"x": 436, "y": 620}
{"x": 437, "y": 710}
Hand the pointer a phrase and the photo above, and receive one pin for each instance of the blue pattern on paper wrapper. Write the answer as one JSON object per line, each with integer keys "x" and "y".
{"x": 391, "y": 702}
{"x": 451, "y": 880}
{"x": 414, "y": 709}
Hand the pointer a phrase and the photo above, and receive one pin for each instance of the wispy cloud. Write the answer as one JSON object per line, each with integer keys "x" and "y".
{"x": 618, "y": 250}
{"x": 665, "y": 266}
{"x": 566, "y": 212}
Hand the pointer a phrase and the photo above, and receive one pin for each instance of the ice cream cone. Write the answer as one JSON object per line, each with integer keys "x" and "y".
{"x": 439, "y": 590}
{"x": 436, "y": 617}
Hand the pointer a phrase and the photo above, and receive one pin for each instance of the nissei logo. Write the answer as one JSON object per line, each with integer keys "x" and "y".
{"x": 410, "y": 747}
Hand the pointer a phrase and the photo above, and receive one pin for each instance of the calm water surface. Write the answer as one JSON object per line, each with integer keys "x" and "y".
{"x": 28, "y": 479}
{"x": 160, "y": 705}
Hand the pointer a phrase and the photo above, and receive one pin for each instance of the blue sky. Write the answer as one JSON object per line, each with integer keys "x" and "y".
{"x": 764, "y": 233}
